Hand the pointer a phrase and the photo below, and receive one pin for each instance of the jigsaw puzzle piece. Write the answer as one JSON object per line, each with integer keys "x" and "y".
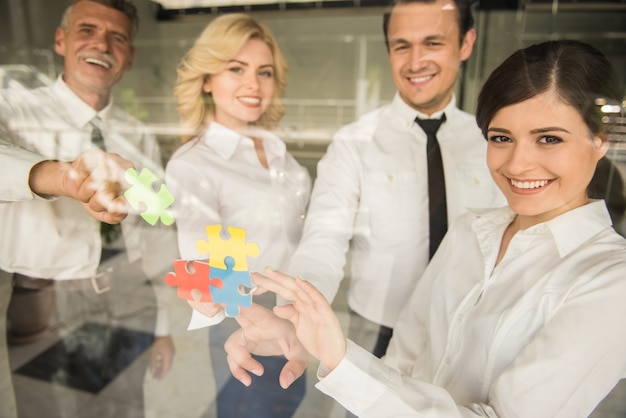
{"x": 219, "y": 249}
{"x": 194, "y": 275}
{"x": 232, "y": 292}
{"x": 142, "y": 196}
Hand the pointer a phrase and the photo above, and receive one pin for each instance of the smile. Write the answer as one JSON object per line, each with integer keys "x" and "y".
{"x": 420, "y": 79}
{"x": 250, "y": 100}
{"x": 101, "y": 63}
{"x": 533, "y": 184}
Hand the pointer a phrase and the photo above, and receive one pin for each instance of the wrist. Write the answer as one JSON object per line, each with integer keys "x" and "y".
{"x": 46, "y": 178}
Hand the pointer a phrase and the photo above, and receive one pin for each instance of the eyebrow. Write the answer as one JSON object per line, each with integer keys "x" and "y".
{"x": 534, "y": 131}
{"x": 429, "y": 38}
{"x": 246, "y": 64}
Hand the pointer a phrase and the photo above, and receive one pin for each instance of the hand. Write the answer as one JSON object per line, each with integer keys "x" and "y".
{"x": 262, "y": 333}
{"x": 317, "y": 326}
{"x": 205, "y": 308}
{"x": 95, "y": 178}
{"x": 161, "y": 356}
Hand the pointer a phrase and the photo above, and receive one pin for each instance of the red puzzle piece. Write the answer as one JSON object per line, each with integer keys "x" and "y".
{"x": 190, "y": 275}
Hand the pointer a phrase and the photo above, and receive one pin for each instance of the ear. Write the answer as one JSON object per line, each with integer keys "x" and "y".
{"x": 467, "y": 46}
{"x": 59, "y": 41}
{"x": 206, "y": 85}
{"x": 601, "y": 144}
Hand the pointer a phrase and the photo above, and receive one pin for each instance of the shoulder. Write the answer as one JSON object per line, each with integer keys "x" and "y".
{"x": 364, "y": 127}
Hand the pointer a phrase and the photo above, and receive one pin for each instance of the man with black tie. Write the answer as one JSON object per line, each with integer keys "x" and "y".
{"x": 390, "y": 188}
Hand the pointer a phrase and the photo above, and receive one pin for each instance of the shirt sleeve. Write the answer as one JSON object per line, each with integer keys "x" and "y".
{"x": 321, "y": 254}
{"x": 15, "y": 166}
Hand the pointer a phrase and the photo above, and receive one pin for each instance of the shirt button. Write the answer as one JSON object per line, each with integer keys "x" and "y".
{"x": 448, "y": 361}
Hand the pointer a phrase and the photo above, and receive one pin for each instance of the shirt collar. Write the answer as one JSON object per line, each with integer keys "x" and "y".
{"x": 408, "y": 114}
{"x": 225, "y": 141}
{"x": 569, "y": 230}
{"x": 78, "y": 111}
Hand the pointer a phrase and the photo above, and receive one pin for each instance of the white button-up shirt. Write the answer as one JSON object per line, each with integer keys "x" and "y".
{"x": 539, "y": 335}
{"x": 218, "y": 179}
{"x": 372, "y": 188}
{"x": 56, "y": 239}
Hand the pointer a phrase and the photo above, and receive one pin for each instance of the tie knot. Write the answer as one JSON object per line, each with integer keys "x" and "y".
{"x": 431, "y": 126}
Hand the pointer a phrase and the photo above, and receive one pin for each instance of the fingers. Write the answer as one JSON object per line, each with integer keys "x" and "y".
{"x": 206, "y": 308}
{"x": 96, "y": 178}
{"x": 292, "y": 370}
{"x": 240, "y": 361}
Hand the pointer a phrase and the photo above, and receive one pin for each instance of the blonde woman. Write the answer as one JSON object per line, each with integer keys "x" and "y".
{"x": 232, "y": 170}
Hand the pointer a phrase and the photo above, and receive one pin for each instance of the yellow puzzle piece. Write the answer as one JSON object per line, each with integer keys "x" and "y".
{"x": 236, "y": 247}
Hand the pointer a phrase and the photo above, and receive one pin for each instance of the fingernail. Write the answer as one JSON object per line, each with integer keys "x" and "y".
{"x": 257, "y": 372}
{"x": 289, "y": 378}
{"x": 244, "y": 382}
{"x": 271, "y": 268}
{"x": 301, "y": 278}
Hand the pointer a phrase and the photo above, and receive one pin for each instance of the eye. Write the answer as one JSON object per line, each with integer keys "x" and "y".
{"x": 400, "y": 48}
{"x": 236, "y": 70}
{"x": 499, "y": 139}
{"x": 434, "y": 44}
{"x": 266, "y": 73}
{"x": 549, "y": 139}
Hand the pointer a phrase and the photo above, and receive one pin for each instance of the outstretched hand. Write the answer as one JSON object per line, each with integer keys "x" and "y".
{"x": 263, "y": 333}
{"x": 95, "y": 178}
{"x": 316, "y": 325}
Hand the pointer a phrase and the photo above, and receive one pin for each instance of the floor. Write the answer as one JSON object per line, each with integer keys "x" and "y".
{"x": 63, "y": 374}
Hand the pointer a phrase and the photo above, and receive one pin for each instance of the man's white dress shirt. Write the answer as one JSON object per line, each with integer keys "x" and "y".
{"x": 56, "y": 239}
{"x": 217, "y": 179}
{"x": 539, "y": 335}
{"x": 372, "y": 188}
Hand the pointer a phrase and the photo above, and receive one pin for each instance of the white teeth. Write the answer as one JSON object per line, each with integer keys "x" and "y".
{"x": 98, "y": 62}
{"x": 529, "y": 184}
{"x": 251, "y": 100}
{"x": 420, "y": 79}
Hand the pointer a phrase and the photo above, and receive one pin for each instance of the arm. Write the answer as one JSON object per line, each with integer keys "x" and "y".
{"x": 321, "y": 254}
{"x": 565, "y": 370}
{"x": 95, "y": 179}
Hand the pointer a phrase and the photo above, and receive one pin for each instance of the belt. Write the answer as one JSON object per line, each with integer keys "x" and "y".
{"x": 99, "y": 283}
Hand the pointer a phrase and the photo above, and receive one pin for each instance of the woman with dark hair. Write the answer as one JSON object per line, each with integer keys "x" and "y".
{"x": 520, "y": 312}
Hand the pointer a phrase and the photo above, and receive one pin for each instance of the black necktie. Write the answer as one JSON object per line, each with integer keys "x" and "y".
{"x": 96, "y": 134}
{"x": 438, "y": 211}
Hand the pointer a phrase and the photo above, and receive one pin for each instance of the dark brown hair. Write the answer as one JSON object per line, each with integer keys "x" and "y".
{"x": 577, "y": 72}
{"x": 464, "y": 15}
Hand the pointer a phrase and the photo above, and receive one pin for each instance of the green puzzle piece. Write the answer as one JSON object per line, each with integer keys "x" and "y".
{"x": 141, "y": 192}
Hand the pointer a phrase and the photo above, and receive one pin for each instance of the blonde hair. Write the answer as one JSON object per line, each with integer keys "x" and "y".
{"x": 219, "y": 43}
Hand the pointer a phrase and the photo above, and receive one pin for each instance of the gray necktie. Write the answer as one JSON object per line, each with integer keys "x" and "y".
{"x": 96, "y": 134}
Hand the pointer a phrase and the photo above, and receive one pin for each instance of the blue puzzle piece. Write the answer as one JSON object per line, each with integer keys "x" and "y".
{"x": 230, "y": 293}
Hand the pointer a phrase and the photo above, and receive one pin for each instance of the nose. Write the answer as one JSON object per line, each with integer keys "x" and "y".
{"x": 417, "y": 56}
{"x": 252, "y": 80}
{"x": 100, "y": 40}
{"x": 521, "y": 158}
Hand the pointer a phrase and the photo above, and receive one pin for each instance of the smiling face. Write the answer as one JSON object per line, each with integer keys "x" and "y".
{"x": 97, "y": 49}
{"x": 425, "y": 53}
{"x": 244, "y": 90}
{"x": 542, "y": 156}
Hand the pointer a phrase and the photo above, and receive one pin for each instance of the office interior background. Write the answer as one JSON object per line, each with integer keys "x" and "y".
{"x": 338, "y": 70}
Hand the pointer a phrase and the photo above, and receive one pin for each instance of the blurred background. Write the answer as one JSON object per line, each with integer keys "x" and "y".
{"x": 338, "y": 71}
